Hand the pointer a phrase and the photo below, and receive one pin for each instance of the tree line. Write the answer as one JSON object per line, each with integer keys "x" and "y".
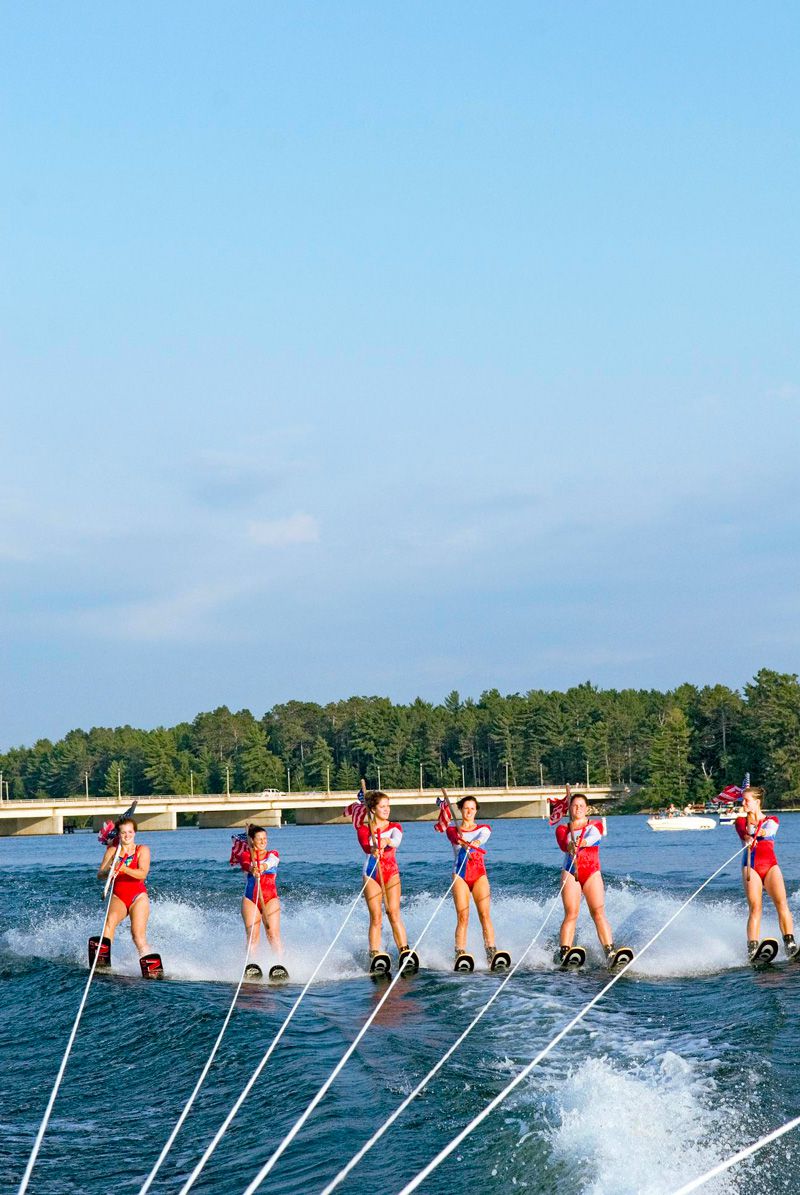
{"x": 685, "y": 744}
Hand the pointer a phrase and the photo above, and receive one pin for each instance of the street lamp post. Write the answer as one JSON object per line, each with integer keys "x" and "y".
{"x": 227, "y": 781}
{"x": 587, "y": 773}
{"x": 328, "y": 772}
{"x": 191, "y": 783}
{"x": 463, "y": 777}
{"x": 86, "y": 784}
{"x": 420, "y": 777}
{"x": 288, "y": 780}
{"x": 119, "y": 782}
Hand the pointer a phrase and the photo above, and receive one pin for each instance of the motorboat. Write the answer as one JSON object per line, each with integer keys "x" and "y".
{"x": 681, "y": 821}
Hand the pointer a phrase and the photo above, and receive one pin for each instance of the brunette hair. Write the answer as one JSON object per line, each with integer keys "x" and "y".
{"x": 756, "y": 792}
{"x": 253, "y": 829}
{"x": 372, "y": 798}
{"x": 579, "y": 796}
{"x": 464, "y": 800}
{"x": 126, "y": 821}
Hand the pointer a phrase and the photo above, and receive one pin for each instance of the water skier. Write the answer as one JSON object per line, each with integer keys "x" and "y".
{"x": 579, "y": 839}
{"x": 760, "y": 870}
{"x": 260, "y": 902}
{"x": 130, "y": 865}
{"x": 379, "y": 838}
{"x": 469, "y": 871}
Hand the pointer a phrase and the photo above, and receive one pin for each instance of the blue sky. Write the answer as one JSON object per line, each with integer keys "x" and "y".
{"x": 355, "y": 348}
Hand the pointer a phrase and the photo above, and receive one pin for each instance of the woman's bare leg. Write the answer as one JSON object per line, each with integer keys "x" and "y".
{"x": 461, "y": 901}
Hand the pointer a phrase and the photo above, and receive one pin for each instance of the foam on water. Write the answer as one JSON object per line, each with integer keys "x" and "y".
{"x": 202, "y": 942}
{"x": 642, "y": 1130}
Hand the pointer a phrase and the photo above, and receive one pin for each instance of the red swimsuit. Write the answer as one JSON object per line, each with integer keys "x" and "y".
{"x": 758, "y": 844}
{"x": 586, "y": 860}
{"x": 126, "y": 888}
{"x": 388, "y": 840}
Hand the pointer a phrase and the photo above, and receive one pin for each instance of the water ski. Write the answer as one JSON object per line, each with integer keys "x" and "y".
{"x": 765, "y": 953}
{"x": 572, "y": 959}
{"x": 619, "y": 958}
{"x": 380, "y": 964}
{"x": 102, "y": 948}
{"x": 500, "y": 961}
{"x": 278, "y": 973}
{"x": 152, "y": 966}
{"x": 411, "y": 960}
{"x": 464, "y": 962}
{"x": 253, "y": 971}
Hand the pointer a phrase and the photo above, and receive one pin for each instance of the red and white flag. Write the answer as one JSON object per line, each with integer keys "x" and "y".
{"x": 239, "y": 846}
{"x": 357, "y": 810}
{"x": 445, "y": 814}
{"x": 559, "y": 807}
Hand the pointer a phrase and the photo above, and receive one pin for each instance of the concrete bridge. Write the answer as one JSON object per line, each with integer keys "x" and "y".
{"x": 215, "y": 811}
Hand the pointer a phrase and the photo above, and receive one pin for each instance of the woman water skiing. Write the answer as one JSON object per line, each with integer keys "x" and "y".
{"x": 379, "y": 838}
{"x": 129, "y": 865}
{"x": 260, "y": 902}
{"x": 469, "y": 877}
{"x": 579, "y": 839}
{"x": 760, "y": 870}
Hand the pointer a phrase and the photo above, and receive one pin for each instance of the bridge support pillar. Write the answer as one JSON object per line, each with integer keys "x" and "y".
{"x": 168, "y": 820}
{"x": 52, "y": 824}
{"x": 238, "y": 819}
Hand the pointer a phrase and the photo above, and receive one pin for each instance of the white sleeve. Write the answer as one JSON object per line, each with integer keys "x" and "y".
{"x": 392, "y": 837}
{"x": 592, "y": 835}
{"x": 480, "y": 836}
{"x": 271, "y": 862}
{"x": 769, "y": 828}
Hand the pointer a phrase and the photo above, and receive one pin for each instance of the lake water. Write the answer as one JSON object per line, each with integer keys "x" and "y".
{"x": 687, "y": 1059}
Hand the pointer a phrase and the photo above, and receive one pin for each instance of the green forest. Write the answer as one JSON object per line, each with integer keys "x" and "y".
{"x": 685, "y": 744}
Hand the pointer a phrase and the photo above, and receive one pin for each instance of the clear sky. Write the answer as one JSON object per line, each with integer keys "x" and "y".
{"x": 393, "y": 348}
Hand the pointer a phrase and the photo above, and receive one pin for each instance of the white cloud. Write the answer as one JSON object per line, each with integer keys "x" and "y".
{"x": 279, "y": 533}
{"x": 183, "y": 616}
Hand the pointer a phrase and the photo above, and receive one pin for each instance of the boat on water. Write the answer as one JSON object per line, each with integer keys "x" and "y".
{"x": 680, "y": 821}
{"x": 727, "y": 814}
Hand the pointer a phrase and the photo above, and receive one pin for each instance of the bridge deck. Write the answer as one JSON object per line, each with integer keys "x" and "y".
{"x": 215, "y": 810}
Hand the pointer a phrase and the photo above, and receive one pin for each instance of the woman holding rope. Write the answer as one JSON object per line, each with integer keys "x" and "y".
{"x": 128, "y": 866}
{"x": 260, "y": 902}
{"x": 379, "y": 838}
{"x": 580, "y": 839}
{"x": 760, "y": 870}
{"x": 470, "y": 879}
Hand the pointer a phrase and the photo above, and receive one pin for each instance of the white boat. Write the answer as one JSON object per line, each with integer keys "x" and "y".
{"x": 681, "y": 821}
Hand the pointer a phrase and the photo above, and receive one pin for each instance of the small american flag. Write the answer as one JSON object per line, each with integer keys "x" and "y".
{"x": 445, "y": 814}
{"x": 239, "y": 845}
{"x": 357, "y": 810}
{"x": 733, "y": 792}
{"x": 559, "y": 807}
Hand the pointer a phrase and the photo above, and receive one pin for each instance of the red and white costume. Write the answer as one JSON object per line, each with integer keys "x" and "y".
{"x": 267, "y": 866}
{"x": 468, "y": 862}
{"x": 386, "y": 841}
{"x": 127, "y": 888}
{"x": 586, "y": 860}
{"x": 758, "y": 844}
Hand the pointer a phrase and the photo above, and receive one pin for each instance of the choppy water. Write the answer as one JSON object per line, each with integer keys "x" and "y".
{"x": 685, "y": 1061}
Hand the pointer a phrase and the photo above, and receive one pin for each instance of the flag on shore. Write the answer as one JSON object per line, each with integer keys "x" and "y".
{"x": 445, "y": 814}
